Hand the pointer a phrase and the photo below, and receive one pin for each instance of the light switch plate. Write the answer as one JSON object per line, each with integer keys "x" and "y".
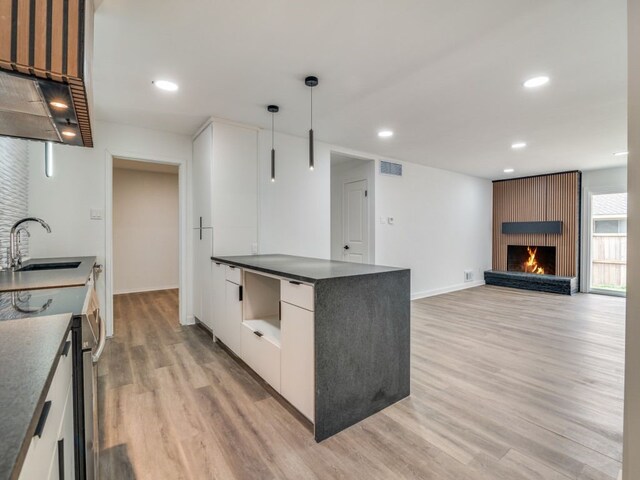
{"x": 383, "y": 220}
{"x": 96, "y": 214}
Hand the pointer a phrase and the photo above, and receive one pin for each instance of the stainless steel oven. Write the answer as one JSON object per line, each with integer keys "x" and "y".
{"x": 93, "y": 342}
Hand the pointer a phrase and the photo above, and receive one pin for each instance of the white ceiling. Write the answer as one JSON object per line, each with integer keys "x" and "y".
{"x": 445, "y": 75}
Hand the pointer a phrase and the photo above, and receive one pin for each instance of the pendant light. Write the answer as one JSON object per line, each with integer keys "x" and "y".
{"x": 273, "y": 109}
{"x": 48, "y": 159}
{"x": 311, "y": 82}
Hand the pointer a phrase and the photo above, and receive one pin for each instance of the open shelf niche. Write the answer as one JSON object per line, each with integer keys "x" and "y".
{"x": 262, "y": 305}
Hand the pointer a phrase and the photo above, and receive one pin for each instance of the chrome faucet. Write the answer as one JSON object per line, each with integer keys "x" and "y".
{"x": 15, "y": 257}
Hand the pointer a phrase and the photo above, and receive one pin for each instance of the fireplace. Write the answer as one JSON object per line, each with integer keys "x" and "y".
{"x": 531, "y": 259}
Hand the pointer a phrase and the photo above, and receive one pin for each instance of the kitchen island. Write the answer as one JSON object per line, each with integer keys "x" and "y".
{"x": 332, "y": 338}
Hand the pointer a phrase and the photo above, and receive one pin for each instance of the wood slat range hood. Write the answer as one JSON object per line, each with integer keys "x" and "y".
{"x": 46, "y": 49}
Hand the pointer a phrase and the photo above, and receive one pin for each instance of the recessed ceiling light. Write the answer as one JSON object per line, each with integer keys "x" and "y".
{"x": 536, "y": 82}
{"x": 166, "y": 85}
{"x": 69, "y": 133}
{"x": 385, "y": 133}
{"x": 60, "y": 105}
{"x": 621, "y": 154}
{"x": 509, "y": 170}
{"x": 518, "y": 145}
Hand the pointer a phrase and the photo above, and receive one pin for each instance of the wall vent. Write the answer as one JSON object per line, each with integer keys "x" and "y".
{"x": 390, "y": 168}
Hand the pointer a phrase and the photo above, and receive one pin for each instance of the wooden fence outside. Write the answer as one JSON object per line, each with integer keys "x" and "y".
{"x": 609, "y": 262}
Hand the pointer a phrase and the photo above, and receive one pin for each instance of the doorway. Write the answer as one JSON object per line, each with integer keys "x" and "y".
{"x": 145, "y": 241}
{"x": 608, "y": 244}
{"x": 352, "y": 208}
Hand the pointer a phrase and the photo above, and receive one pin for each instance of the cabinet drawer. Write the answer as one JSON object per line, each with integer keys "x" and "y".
{"x": 297, "y": 293}
{"x": 234, "y": 274}
{"x": 262, "y": 355}
{"x": 44, "y": 447}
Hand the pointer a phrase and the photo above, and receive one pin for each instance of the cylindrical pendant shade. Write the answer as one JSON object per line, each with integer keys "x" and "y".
{"x": 273, "y": 165}
{"x": 311, "y": 161}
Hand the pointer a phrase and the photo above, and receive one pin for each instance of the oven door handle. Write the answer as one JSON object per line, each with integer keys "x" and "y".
{"x": 95, "y": 356}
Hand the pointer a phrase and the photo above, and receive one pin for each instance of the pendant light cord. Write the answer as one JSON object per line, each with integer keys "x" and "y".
{"x": 272, "y": 123}
{"x": 311, "y": 108}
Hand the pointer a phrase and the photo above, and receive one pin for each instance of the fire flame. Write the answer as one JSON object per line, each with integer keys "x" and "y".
{"x": 531, "y": 265}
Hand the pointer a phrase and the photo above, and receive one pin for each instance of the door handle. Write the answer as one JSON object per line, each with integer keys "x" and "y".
{"x": 103, "y": 337}
{"x": 200, "y": 228}
{"x": 346, "y": 247}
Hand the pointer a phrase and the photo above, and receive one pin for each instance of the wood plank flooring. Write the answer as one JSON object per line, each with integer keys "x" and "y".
{"x": 506, "y": 384}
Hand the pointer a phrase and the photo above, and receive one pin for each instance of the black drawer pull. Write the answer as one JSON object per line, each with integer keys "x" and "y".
{"x": 61, "y": 459}
{"x": 43, "y": 419}
{"x": 67, "y": 346}
{"x": 258, "y": 333}
{"x": 293, "y": 282}
{"x": 240, "y": 293}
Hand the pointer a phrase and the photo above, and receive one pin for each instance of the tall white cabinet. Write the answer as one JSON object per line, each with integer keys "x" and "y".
{"x": 224, "y": 187}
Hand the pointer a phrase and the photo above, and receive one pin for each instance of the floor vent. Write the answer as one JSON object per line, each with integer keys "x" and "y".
{"x": 390, "y": 168}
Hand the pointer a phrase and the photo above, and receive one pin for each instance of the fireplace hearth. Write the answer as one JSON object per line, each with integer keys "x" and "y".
{"x": 535, "y": 259}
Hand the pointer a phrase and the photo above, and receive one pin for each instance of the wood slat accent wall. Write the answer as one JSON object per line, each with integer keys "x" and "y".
{"x": 544, "y": 198}
{"x": 45, "y": 38}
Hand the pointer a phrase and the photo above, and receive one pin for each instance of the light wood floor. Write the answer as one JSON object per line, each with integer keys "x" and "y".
{"x": 505, "y": 385}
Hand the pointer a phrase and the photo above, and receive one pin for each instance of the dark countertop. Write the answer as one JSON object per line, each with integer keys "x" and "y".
{"x": 45, "y": 302}
{"x": 303, "y": 269}
{"x": 30, "y": 349}
{"x": 33, "y": 280}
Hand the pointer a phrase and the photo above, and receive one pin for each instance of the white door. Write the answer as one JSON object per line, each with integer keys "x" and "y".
{"x": 355, "y": 222}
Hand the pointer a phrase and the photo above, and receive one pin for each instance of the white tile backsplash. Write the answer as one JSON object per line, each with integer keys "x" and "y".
{"x": 14, "y": 190}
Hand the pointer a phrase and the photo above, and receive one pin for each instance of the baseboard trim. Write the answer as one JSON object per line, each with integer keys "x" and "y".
{"x": 149, "y": 289}
{"x": 440, "y": 291}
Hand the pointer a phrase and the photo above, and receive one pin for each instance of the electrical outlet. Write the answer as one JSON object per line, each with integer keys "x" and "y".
{"x": 254, "y": 248}
{"x": 468, "y": 275}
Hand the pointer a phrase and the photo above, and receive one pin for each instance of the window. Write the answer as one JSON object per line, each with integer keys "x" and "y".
{"x": 610, "y": 226}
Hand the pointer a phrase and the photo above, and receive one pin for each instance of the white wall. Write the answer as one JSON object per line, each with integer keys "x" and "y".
{"x": 78, "y": 184}
{"x": 145, "y": 230}
{"x": 340, "y": 174}
{"x": 294, "y": 211}
{"x": 631, "y": 454}
{"x": 606, "y": 180}
{"x": 442, "y": 227}
{"x": 442, "y": 219}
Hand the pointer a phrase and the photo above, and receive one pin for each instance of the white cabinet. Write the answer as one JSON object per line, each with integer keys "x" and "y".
{"x": 235, "y": 189}
{"x": 261, "y": 349}
{"x": 201, "y": 178}
{"x": 224, "y": 194}
{"x": 202, "y": 276}
{"x": 297, "y": 358}
{"x": 230, "y": 332}
{"x": 218, "y": 298}
{"x": 51, "y": 451}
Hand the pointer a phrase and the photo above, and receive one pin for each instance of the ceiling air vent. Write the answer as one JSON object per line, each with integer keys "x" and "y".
{"x": 390, "y": 168}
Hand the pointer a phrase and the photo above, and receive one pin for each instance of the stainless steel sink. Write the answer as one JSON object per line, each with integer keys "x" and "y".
{"x": 48, "y": 266}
